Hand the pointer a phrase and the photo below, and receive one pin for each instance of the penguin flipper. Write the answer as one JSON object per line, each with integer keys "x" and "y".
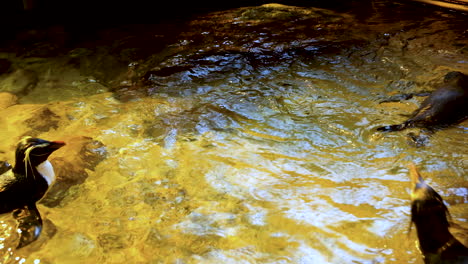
{"x": 29, "y": 224}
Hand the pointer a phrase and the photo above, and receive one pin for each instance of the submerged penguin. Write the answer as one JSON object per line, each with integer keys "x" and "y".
{"x": 26, "y": 183}
{"x": 445, "y": 106}
{"x": 429, "y": 215}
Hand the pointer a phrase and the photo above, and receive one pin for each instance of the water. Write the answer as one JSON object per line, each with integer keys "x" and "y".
{"x": 250, "y": 138}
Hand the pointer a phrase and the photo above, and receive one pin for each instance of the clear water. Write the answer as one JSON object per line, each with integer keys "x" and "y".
{"x": 261, "y": 150}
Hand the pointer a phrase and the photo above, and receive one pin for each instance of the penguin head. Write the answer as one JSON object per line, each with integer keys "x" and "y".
{"x": 34, "y": 151}
{"x": 426, "y": 203}
{"x": 458, "y": 79}
{"x": 420, "y": 190}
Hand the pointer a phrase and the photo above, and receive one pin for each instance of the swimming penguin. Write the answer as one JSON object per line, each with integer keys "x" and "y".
{"x": 26, "y": 183}
{"x": 429, "y": 215}
{"x": 446, "y": 105}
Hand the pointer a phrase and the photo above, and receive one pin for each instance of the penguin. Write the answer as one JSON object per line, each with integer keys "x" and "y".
{"x": 429, "y": 215}
{"x": 26, "y": 183}
{"x": 445, "y": 106}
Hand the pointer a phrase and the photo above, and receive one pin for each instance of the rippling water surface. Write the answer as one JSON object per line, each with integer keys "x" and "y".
{"x": 250, "y": 138}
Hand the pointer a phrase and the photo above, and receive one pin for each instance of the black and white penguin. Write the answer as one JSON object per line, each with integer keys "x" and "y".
{"x": 429, "y": 215}
{"x": 26, "y": 183}
{"x": 447, "y": 105}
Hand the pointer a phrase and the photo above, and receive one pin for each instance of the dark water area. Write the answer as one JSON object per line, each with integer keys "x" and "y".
{"x": 93, "y": 15}
{"x": 241, "y": 132}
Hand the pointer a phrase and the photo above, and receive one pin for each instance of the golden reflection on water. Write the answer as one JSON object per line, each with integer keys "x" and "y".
{"x": 246, "y": 197}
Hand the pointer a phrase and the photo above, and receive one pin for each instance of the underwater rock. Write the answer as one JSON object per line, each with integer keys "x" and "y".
{"x": 109, "y": 242}
{"x": 7, "y": 100}
{"x": 42, "y": 120}
{"x": 417, "y": 140}
{"x": 27, "y": 120}
{"x": 20, "y": 82}
{"x": 130, "y": 93}
{"x": 81, "y": 154}
{"x": 220, "y": 44}
{"x": 60, "y": 80}
{"x": 100, "y": 64}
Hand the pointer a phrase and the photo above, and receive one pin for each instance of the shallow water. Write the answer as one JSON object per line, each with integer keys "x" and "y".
{"x": 259, "y": 148}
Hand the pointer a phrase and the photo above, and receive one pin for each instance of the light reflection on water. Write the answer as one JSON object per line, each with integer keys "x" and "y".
{"x": 231, "y": 163}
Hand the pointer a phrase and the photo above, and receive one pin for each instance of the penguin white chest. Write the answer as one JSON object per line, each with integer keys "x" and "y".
{"x": 47, "y": 172}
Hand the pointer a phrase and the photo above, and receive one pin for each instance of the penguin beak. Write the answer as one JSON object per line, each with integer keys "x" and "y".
{"x": 419, "y": 188}
{"x": 416, "y": 178}
{"x": 54, "y": 145}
